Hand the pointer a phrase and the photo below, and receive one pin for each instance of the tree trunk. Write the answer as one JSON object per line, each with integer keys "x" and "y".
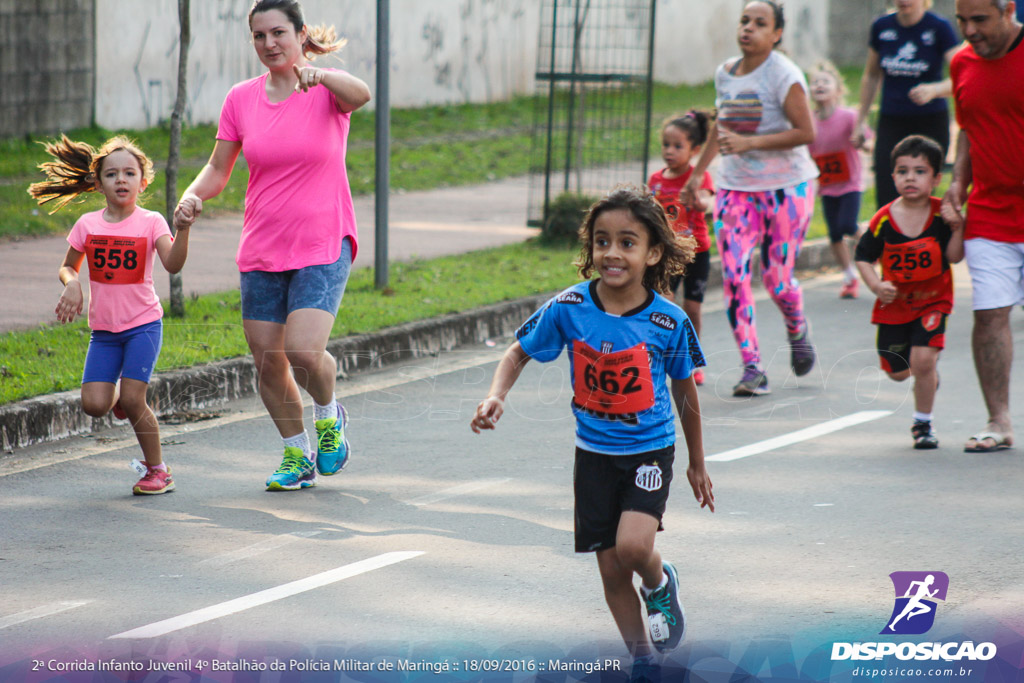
{"x": 177, "y": 297}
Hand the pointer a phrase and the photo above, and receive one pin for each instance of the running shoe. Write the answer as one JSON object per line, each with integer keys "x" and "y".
{"x": 924, "y": 435}
{"x": 698, "y": 377}
{"x": 295, "y": 472}
{"x": 154, "y": 482}
{"x": 801, "y": 352}
{"x": 849, "y": 289}
{"x": 665, "y": 617}
{"x": 119, "y": 411}
{"x": 753, "y": 383}
{"x": 332, "y": 448}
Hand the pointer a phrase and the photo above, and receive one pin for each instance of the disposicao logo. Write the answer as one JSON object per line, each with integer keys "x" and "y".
{"x": 913, "y": 613}
{"x": 916, "y": 595}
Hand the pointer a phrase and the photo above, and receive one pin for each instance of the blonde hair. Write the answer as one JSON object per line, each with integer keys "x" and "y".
{"x": 76, "y": 166}
{"x": 826, "y": 66}
{"x": 678, "y": 251}
{"x": 320, "y": 39}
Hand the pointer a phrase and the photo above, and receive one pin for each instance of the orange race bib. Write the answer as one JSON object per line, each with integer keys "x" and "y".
{"x": 911, "y": 261}
{"x": 614, "y": 383}
{"x": 833, "y": 168}
{"x": 117, "y": 260}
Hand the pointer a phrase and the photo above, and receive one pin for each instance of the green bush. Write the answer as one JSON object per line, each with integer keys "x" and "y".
{"x": 565, "y": 213}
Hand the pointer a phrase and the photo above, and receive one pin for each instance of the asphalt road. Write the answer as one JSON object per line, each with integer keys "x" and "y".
{"x": 438, "y": 545}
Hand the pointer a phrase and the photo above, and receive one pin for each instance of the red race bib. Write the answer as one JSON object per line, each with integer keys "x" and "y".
{"x": 833, "y": 168}
{"x": 614, "y": 383}
{"x": 117, "y": 260}
{"x": 911, "y": 261}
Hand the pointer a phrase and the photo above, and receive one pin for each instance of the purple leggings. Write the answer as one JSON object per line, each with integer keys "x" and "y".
{"x": 776, "y": 221}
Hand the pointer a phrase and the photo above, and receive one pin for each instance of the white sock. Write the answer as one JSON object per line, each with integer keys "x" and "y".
{"x": 323, "y": 412}
{"x": 850, "y": 274}
{"x": 664, "y": 582}
{"x": 300, "y": 440}
{"x": 922, "y": 417}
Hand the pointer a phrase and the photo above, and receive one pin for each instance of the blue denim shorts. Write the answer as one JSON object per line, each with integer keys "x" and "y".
{"x": 271, "y": 296}
{"x": 131, "y": 353}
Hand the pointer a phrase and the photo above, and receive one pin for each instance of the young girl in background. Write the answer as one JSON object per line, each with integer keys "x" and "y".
{"x": 125, "y": 314}
{"x": 623, "y": 339}
{"x": 840, "y": 182}
{"x": 681, "y": 140}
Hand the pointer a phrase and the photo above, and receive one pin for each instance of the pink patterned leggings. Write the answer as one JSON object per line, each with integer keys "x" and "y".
{"x": 776, "y": 221}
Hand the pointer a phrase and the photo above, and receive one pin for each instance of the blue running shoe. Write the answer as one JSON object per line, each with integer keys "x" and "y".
{"x": 645, "y": 669}
{"x": 295, "y": 472}
{"x": 665, "y": 617}
{"x": 332, "y": 449}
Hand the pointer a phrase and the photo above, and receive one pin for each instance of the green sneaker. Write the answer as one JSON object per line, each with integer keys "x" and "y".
{"x": 295, "y": 472}
{"x": 332, "y": 448}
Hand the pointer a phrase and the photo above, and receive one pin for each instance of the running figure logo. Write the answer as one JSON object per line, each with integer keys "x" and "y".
{"x": 916, "y": 593}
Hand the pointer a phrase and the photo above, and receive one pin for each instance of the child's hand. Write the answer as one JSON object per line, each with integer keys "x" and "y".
{"x": 886, "y": 292}
{"x": 187, "y": 210}
{"x": 487, "y": 414}
{"x": 952, "y": 215}
{"x": 700, "y": 482}
{"x": 70, "y": 304}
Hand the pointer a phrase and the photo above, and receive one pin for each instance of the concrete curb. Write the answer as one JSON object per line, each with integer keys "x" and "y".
{"x": 57, "y": 416}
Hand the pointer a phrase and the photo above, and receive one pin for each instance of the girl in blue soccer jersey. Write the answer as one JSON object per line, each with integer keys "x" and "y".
{"x": 623, "y": 339}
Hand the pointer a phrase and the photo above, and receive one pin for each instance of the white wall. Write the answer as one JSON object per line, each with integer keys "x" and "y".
{"x": 441, "y": 50}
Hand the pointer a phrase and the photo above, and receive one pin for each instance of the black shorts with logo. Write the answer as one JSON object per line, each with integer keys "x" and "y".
{"x": 895, "y": 341}
{"x": 607, "y": 485}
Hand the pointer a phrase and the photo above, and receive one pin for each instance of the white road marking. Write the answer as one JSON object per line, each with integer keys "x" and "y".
{"x": 454, "y": 491}
{"x": 800, "y": 435}
{"x": 270, "y": 595}
{"x": 256, "y": 549}
{"x": 40, "y": 612}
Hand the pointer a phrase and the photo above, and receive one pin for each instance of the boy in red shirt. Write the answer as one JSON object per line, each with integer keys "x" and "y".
{"x": 915, "y": 293}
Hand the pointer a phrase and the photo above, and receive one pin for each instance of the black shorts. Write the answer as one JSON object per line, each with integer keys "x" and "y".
{"x": 695, "y": 281}
{"x": 895, "y": 341}
{"x": 841, "y": 215}
{"x": 607, "y": 485}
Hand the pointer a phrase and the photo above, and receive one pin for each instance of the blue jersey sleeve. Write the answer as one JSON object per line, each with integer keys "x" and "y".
{"x": 685, "y": 355}
{"x": 541, "y": 335}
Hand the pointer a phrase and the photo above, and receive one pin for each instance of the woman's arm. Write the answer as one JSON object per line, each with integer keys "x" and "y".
{"x": 924, "y": 93}
{"x": 691, "y": 194}
{"x": 209, "y": 183}
{"x": 869, "y": 85}
{"x": 797, "y": 108}
{"x": 350, "y": 92}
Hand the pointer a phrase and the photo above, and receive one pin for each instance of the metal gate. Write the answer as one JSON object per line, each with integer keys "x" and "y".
{"x": 592, "y": 121}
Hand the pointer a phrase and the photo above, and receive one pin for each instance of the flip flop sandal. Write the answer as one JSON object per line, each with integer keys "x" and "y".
{"x": 1001, "y": 443}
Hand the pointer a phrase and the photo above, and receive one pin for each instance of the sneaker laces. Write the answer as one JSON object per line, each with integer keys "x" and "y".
{"x": 660, "y": 600}
{"x": 750, "y": 373}
{"x": 291, "y": 464}
{"x": 329, "y": 440}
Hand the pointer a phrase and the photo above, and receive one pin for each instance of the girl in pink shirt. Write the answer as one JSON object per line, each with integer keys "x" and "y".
{"x": 125, "y": 315}
{"x": 840, "y": 182}
{"x": 299, "y": 232}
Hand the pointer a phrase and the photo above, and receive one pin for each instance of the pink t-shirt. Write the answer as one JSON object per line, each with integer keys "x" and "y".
{"x": 298, "y": 206}
{"x": 120, "y": 261}
{"x": 838, "y": 160}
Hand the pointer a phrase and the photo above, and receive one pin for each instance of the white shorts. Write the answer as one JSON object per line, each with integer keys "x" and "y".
{"x": 997, "y": 272}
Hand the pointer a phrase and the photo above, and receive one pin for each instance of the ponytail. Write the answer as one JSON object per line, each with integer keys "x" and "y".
{"x": 695, "y": 124}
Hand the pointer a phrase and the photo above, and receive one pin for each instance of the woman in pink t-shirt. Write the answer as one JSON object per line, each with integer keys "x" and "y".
{"x": 299, "y": 231}
{"x": 120, "y": 244}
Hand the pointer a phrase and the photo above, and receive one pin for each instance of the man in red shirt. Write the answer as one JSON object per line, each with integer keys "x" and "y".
{"x": 987, "y": 76}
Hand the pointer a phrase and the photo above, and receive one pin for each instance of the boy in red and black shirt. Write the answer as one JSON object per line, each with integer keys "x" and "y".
{"x": 915, "y": 293}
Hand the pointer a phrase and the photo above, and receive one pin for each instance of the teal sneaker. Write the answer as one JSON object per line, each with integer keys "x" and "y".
{"x": 295, "y": 472}
{"x": 665, "y": 616}
{"x": 332, "y": 448}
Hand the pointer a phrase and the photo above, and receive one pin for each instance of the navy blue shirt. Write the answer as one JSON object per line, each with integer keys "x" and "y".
{"x": 909, "y": 56}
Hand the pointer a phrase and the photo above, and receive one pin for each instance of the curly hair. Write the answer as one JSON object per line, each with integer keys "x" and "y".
{"x": 677, "y": 252}
{"x": 76, "y": 166}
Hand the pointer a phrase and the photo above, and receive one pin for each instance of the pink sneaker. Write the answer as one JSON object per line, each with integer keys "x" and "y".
{"x": 698, "y": 377}
{"x": 119, "y": 411}
{"x": 156, "y": 481}
{"x": 849, "y": 289}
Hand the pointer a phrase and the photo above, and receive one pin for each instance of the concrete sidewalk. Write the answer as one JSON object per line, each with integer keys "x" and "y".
{"x": 422, "y": 224}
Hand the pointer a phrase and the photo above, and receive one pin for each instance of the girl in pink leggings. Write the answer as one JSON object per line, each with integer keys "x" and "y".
{"x": 765, "y": 200}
